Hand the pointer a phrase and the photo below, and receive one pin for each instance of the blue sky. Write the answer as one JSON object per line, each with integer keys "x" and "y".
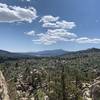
{"x": 35, "y": 25}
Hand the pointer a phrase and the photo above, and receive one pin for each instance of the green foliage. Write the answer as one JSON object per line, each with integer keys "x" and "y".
{"x": 58, "y": 78}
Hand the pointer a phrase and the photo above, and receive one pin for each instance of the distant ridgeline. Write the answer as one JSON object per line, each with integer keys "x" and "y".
{"x": 48, "y": 53}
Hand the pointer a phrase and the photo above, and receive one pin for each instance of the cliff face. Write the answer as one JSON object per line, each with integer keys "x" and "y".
{"x": 95, "y": 89}
{"x": 92, "y": 91}
{"x": 3, "y": 88}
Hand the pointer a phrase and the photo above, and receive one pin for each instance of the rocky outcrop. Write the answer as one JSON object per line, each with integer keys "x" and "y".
{"x": 92, "y": 91}
{"x": 3, "y": 88}
{"x": 95, "y": 89}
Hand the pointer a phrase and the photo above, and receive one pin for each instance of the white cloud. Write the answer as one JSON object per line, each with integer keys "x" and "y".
{"x": 56, "y": 30}
{"x": 53, "y": 36}
{"x": 48, "y": 18}
{"x": 59, "y": 30}
{"x": 53, "y": 22}
{"x": 17, "y": 14}
{"x": 60, "y": 24}
{"x": 88, "y": 40}
{"x": 26, "y": 0}
{"x": 31, "y": 33}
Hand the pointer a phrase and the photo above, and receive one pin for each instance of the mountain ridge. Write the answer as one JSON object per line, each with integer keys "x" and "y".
{"x": 46, "y": 53}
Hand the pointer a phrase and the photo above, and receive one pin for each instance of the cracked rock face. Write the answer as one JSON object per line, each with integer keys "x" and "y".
{"x": 92, "y": 92}
{"x": 3, "y": 88}
{"x": 95, "y": 90}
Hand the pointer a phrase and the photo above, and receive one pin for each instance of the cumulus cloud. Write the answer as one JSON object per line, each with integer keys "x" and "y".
{"x": 48, "y": 18}
{"x": 88, "y": 40}
{"x": 26, "y": 0}
{"x": 60, "y": 24}
{"x": 31, "y": 33}
{"x": 53, "y": 36}
{"x": 59, "y": 30}
{"x": 12, "y": 14}
{"x": 54, "y": 22}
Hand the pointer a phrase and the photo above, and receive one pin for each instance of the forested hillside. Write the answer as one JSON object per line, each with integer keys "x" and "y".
{"x": 74, "y": 76}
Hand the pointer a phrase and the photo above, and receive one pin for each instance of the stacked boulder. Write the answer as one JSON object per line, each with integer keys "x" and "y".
{"x": 92, "y": 91}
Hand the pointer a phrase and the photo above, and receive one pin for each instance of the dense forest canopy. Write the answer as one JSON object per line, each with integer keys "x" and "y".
{"x": 54, "y": 78}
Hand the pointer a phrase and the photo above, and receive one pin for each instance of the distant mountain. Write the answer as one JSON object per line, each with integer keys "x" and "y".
{"x": 4, "y": 53}
{"x": 90, "y": 50}
{"x": 48, "y": 53}
{"x": 83, "y": 52}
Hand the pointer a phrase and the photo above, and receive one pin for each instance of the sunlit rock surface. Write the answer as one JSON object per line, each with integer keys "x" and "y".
{"x": 92, "y": 91}
{"x": 3, "y": 88}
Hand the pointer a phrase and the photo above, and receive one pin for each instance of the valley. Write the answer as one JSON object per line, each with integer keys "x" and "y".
{"x": 70, "y": 76}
